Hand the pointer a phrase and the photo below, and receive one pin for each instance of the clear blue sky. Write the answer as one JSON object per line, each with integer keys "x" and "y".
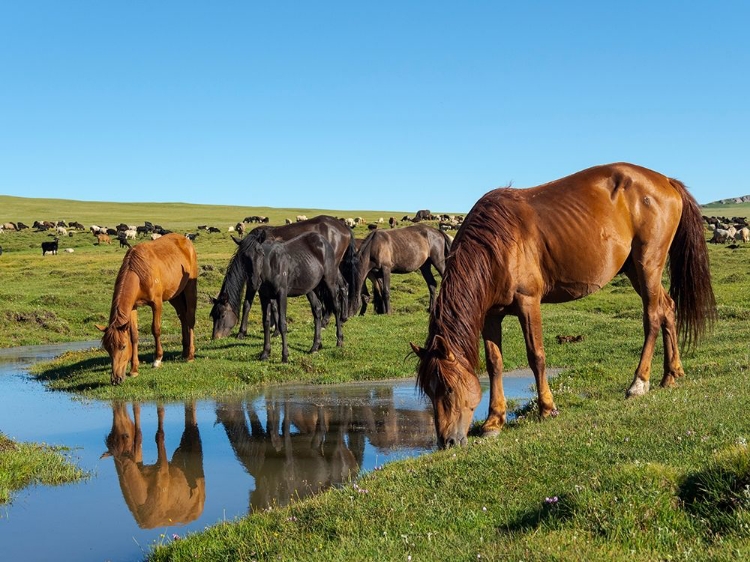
{"x": 366, "y": 105}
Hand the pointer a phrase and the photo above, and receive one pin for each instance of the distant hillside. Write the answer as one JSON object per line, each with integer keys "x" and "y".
{"x": 730, "y": 201}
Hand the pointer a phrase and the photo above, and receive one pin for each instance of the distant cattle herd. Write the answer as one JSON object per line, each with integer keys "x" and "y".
{"x": 724, "y": 230}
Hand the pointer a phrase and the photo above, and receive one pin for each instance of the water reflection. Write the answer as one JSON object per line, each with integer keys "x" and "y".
{"x": 166, "y": 492}
{"x": 306, "y": 447}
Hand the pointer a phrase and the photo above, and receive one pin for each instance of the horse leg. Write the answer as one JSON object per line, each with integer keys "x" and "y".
{"x": 275, "y": 318}
{"x": 331, "y": 284}
{"x": 493, "y": 351}
{"x": 365, "y": 298}
{"x": 134, "y": 343}
{"x": 265, "y": 307}
{"x": 162, "y": 460}
{"x": 282, "y": 327}
{"x": 644, "y": 272}
{"x": 429, "y": 278}
{"x": 317, "y": 311}
{"x": 530, "y": 317}
{"x": 386, "y": 272}
{"x": 156, "y": 307}
{"x": 181, "y": 306}
{"x": 246, "y": 305}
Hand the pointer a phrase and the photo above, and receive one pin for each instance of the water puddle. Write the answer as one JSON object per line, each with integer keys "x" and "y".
{"x": 163, "y": 471}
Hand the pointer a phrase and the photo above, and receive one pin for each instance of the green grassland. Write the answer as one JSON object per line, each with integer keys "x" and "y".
{"x": 662, "y": 477}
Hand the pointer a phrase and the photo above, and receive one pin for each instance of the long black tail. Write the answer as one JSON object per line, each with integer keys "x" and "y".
{"x": 690, "y": 274}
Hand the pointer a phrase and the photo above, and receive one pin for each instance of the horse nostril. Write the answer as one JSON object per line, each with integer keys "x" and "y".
{"x": 450, "y": 442}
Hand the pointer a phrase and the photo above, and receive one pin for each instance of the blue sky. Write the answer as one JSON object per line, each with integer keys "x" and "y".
{"x": 366, "y": 105}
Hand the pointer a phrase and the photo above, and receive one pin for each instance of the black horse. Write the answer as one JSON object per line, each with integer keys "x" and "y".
{"x": 278, "y": 269}
{"x": 401, "y": 250}
{"x": 339, "y": 236}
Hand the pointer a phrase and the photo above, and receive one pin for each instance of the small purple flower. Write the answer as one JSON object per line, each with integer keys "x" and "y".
{"x": 551, "y": 501}
{"x": 175, "y": 537}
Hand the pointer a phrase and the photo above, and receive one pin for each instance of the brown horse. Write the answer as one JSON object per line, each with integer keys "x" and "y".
{"x": 554, "y": 243}
{"x": 168, "y": 492}
{"x": 401, "y": 250}
{"x": 165, "y": 269}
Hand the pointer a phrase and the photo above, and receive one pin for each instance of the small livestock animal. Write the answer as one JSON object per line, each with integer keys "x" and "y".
{"x": 392, "y": 222}
{"x": 240, "y": 229}
{"x": 301, "y": 218}
{"x": 339, "y": 236}
{"x": 50, "y": 247}
{"x": 169, "y": 492}
{"x": 213, "y": 229}
{"x": 155, "y": 236}
{"x": 402, "y": 250}
{"x": 103, "y": 239}
{"x": 304, "y": 265}
{"x": 519, "y": 248}
{"x": 743, "y": 235}
{"x": 10, "y": 226}
{"x": 123, "y": 241}
{"x": 1, "y": 250}
{"x": 151, "y": 273}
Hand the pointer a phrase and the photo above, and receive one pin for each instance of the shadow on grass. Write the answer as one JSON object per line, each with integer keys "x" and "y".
{"x": 553, "y": 511}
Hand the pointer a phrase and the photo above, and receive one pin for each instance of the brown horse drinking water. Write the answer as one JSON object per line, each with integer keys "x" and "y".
{"x": 165, "y": 269}
{"x": 554, "y": 243}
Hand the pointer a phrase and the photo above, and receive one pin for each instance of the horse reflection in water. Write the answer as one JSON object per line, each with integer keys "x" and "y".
{"x": 306, "y": 448}
{"x": 167, "y": 492}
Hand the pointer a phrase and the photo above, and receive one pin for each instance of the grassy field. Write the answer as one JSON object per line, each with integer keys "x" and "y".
{"x": 662, "y": 477}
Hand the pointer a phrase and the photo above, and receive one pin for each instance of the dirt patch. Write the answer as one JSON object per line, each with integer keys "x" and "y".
{"x": 43, "y": 318}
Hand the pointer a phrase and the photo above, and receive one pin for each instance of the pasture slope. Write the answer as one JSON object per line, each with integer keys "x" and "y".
{"x": 662, "y": 477}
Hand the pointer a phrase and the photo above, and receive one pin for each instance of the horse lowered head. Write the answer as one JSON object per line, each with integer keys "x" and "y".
{"x": 453, "y": 389}
{"x": 224, "y": 318}
{"x": 118, "y": 343}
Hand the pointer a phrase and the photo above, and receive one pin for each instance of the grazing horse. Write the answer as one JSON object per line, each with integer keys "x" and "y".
{"x": 304, "y": 265}
{"x": 166, "y": 493}
{"x": 554, "y": 243}
{"x": 151, "y": 273}
{"x": 402, "y": 250}
{"x": 339, "y": 236}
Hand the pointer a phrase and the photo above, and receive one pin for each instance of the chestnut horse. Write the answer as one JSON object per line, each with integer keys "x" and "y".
{"x": 554, "y": 243}
{"x": 152, "y": 272}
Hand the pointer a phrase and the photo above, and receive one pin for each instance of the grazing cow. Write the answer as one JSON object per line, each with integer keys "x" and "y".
{"x": 103, "y": 239}
{"x": 50, "y": 247}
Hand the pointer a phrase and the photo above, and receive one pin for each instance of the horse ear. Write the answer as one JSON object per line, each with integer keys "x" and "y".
{"x": 443, "y": 350}
{"x": 105, "y": 455}
{"x": 236, "y": 240}
{"x": 100, "y": 327}
{"x": 418, "y": 351}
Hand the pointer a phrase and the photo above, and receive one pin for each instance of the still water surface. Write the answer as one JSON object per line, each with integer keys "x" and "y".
{"x": 160, "y": 471}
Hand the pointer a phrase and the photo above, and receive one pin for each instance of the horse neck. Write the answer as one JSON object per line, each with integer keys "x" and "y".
{"x": 461, "y": 303}
{"x": 234, "y": 281}
{"x": 127, "y": 288}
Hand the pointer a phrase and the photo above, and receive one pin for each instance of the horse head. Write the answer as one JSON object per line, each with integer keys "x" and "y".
{"x": 117, "y": 342}
{"x": 453, "y": 389}
{"x": 223, "y": 316}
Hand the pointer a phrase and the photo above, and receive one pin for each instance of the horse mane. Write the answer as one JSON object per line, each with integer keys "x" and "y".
{"x": 477, "y": 252}
{"x": 236, "y": 276}
{"x": 134, "y": 262}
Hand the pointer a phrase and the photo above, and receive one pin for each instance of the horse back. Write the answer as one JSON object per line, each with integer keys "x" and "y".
{"x": 165, "y": 266}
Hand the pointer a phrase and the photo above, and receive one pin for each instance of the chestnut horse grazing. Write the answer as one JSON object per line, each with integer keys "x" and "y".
{"x": 554, "y": 243}
{"x": 152, "y": 272}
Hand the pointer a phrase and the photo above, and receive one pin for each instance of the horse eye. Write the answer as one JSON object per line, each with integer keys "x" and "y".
{"x": 122, "y": 347}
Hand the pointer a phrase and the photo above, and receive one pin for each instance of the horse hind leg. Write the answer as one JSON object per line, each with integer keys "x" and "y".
{"x": 317, "y": 311}
{"x": 672, "y": 364}
{"x": 429, "y": 278}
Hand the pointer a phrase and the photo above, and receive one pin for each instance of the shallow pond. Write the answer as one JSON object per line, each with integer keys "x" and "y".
{"x": 159, "y": 472}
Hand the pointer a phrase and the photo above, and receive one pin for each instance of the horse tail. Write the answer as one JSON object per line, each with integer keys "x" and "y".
{"x": 690, "y": 274}
{"x": 448, "y": 242}
{"x": 350, "y": 271}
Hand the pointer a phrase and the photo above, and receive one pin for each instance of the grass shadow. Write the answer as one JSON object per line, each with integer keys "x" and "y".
{"x": 553, "y": 511}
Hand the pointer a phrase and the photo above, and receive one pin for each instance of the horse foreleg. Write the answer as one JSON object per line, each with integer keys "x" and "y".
{"x": 493, "y": 351}
{"x": 134, "y": 343}
{"x": 156, "y": 307}
{"x": 282, "y": 327}
{"x": 246, "y": 306}
{"x": 317, "y": 310}
{"x": 530, "y": 317}
{"x": 162, "y": 460}
{"x": 265, "y": 307}
{"x": 429, "y": 278}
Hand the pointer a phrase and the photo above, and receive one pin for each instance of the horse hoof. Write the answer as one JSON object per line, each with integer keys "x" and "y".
{"x": 157, "y": 364}
{"x": 133, "y": 374}
{"x": 489, "y": 433}
{"x": 638, "y": 388}
{"x": 240, "y": 336}
{"x": 263, "y": 357}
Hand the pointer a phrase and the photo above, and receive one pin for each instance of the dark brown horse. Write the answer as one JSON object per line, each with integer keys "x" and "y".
{"x": 339, "y": 236}
{"x": 165, "y": 269}
{"x": 402, "y": 250}
{"x": 554, "y": 243}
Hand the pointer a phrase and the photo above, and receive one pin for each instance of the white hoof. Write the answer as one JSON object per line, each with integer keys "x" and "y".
{"x": 157, "y": 363}
{"x": 638, "y": 388}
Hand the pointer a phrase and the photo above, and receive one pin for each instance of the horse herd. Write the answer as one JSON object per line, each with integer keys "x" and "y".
{"x": 516, "y": 249}
{"x": 317, "y": 258}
